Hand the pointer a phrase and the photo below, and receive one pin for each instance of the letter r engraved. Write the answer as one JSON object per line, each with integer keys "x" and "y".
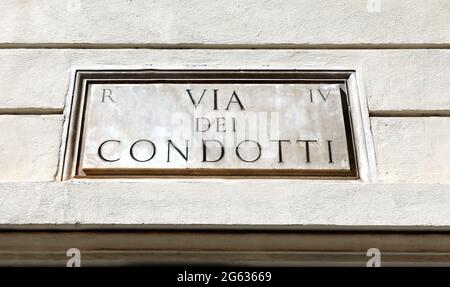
{"x": 107, "y": 93}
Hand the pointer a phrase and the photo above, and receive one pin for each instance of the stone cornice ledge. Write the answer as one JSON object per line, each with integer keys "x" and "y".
{"x": 185, "y": 203}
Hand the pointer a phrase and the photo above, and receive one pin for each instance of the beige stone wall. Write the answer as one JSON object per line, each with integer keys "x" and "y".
{"x": 399, "y": 51}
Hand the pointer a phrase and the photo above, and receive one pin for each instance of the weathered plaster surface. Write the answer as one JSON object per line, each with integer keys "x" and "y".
{"x": 412, "y": 149}
{"x": 29, "y": 147}
{"x": 227, "y": 202}
{"x": 412, "y": 80}
{"x": 225, "y": 22}
{"x": 400, "y": 80}
{"x": 410, "y": 164}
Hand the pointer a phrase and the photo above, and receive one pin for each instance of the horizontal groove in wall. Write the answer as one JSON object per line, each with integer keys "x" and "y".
{"x": 223, "y": 46}
{"x": 31, "y": 111}
{"x": 409, "y": 113}
{"x": 380, "y": 114}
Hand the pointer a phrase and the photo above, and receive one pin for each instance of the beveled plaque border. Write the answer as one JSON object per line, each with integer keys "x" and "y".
{"x": 83, "y": 78}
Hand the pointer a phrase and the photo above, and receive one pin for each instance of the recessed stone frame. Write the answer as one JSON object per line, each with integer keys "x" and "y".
{"x": 355, "y": 117}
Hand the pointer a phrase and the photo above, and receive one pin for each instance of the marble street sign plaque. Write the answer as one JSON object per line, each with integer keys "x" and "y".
{"x": 214, "y": 127}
